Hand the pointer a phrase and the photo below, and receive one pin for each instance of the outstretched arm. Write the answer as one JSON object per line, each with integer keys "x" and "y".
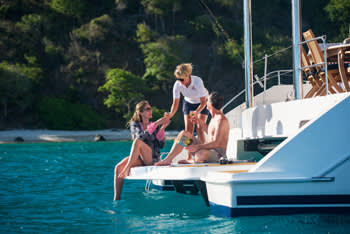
{"x": 173, "y": 109}
{"x": 216, "y": 139}
{"x": 203, "y": 103}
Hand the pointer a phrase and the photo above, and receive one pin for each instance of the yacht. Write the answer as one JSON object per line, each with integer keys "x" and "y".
{"x": 289, "y": 146}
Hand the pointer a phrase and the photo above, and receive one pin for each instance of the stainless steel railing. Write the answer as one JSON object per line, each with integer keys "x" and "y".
{"x": 262, "y": 81}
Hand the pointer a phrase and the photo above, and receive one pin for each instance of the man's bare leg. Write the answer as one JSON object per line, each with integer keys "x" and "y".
{"x": 201, "y": 156}
{"x": 175, "y": 150}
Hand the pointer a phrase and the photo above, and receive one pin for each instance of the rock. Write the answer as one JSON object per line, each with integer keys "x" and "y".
{"x": 99, "y": 138}
{"x": 19, "y": 139}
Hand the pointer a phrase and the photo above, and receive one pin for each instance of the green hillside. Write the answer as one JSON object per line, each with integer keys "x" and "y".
{"x": 83, "y": 64}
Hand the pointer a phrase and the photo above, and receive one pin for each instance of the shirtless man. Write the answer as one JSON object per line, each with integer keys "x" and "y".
{"x": 217, "y": 131}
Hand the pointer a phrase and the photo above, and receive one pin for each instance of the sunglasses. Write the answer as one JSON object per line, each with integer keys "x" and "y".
{"x": 147, "y": 109}
{"x": 179, "y": 79}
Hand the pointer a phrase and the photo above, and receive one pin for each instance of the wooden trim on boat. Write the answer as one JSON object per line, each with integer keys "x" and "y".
{"x": 234, "y": 172}
{"x": 215, "y": 164}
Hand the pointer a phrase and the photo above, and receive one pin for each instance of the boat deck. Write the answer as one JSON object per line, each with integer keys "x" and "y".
{"x": 184, "y": 171}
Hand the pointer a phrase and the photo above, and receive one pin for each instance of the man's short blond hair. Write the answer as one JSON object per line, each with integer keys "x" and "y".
{"x": 183, "y": 70}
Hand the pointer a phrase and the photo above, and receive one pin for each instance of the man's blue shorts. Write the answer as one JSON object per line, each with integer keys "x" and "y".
{"x": 188, "y": 107}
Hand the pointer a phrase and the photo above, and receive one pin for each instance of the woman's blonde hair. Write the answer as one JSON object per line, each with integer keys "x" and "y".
{"x": 183, "y": 70}
{"x": 137, "y": 116}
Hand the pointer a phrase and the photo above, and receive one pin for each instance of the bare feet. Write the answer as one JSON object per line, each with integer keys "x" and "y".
{"x": 184, "y": 161}
{"x": 124, "y": 173}
{"x": 163, "y": 163}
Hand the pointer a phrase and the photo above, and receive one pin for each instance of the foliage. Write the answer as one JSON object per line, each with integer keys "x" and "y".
{"x": 13, "y": 81}
{"x": 66, "y": 48}
{"x": 58, "y": 113}
{"x": 233, "y": 51}
{"x": 30, "y": 22}
{"x": 68, "y": 7}
{"x": 161, "y": 56}
{"x": 144, "y": 34}
{"x": 124, "y": 90}
{"x": 16, "y": 83}
{"x": 161, "y": 7}
{"x": 203, "y": 28}
{"x": 338, "y": 11}
{"x": 94, "y": 31}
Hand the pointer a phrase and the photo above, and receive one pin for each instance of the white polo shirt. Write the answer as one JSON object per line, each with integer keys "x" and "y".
{"x": 193, "y": 92}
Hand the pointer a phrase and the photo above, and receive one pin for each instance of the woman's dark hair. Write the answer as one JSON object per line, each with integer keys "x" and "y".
{"x": 216, "y": 99}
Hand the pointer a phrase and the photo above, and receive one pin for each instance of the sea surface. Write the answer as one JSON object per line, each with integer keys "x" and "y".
{"x": 68, "y": 188}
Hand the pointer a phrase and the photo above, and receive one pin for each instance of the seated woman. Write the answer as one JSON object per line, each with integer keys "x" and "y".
{"x": 148, "y": 138}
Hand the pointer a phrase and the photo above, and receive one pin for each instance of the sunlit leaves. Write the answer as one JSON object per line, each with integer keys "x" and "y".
{"x": 338, "y": 11}
{"x": 68, "y": 7}
{"x": 124, "y": 89}
{"x": 96, "y": 30}
{"x": 161, "y": 7}
{"x": 161, "y": 55}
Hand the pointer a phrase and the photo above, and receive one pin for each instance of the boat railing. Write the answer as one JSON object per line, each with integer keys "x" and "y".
{"x": 262, "y": 81}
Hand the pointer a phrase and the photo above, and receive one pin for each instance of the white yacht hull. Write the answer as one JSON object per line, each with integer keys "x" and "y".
{"x": 308, "y": 172}
{"x": 280, "y": 196}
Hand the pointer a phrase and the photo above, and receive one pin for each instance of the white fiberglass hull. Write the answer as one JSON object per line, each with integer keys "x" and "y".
{"x": 230, "y": 198}
{"x": 308, "y": 172}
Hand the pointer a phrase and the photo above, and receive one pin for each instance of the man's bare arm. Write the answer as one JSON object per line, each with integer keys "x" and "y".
{"x": 219, "y": 136}
{"x": 203, "y": 125}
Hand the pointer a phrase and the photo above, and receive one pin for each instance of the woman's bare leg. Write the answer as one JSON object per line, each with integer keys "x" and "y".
{"x": 138, "y": 148}
{"x": 118, "y": 183}
{"x": 200, "y": 131}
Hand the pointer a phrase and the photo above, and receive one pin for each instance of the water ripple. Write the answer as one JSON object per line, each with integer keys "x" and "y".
{"x": 68, "y": 188}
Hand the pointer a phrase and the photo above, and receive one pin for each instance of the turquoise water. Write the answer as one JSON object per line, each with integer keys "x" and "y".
{"x": 68, "y": 188}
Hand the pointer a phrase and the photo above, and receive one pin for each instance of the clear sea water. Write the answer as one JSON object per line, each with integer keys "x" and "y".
{"x": 68, "y": 188}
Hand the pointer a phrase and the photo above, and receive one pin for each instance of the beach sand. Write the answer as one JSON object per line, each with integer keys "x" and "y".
{"x": 40, "y": 135}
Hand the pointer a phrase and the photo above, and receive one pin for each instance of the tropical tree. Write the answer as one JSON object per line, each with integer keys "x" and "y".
{"x": 338, "y": 12}
{"x": 124, "y": 90}
{"x": 161, "y": 8}
{"x": 161, "y": 56}
{"x": 16, "y": 83}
